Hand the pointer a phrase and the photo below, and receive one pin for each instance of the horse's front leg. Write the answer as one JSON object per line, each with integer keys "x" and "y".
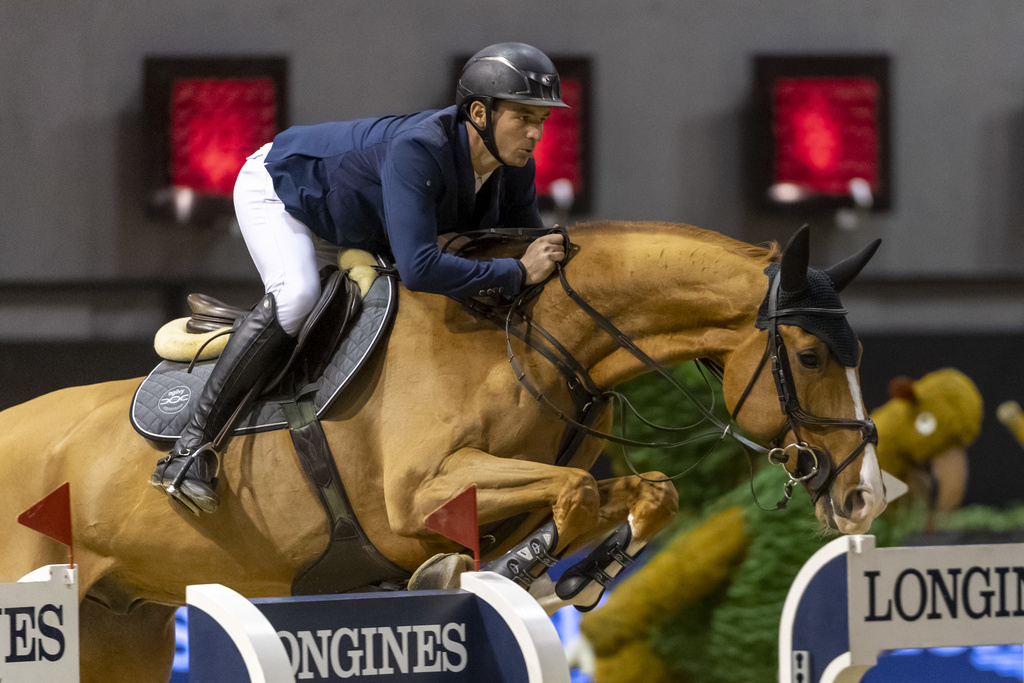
{"x": 505, "y": 487}
{"x": 647, "y": 502}
{"x": 637, "y": 508}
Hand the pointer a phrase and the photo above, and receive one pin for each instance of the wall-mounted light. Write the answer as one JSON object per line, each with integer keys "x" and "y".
{"x": 820, "y": 133}
{"x": 204, "y": 116}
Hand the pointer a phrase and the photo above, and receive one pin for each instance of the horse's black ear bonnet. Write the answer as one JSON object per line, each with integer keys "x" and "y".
{"x": 805, "y": 288}
{"x": 819, "y": 292}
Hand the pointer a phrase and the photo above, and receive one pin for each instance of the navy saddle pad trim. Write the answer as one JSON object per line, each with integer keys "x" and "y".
{"x": 158, "y": 408}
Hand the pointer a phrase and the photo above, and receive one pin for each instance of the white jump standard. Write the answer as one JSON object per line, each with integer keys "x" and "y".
{"x": 851, "y": 601}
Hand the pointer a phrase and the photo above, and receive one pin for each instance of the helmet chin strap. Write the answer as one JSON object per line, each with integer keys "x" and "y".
{"x": 487, "y": 130}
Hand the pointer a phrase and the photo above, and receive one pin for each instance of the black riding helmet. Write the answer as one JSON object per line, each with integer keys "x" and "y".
{"x": 506, "y": 71}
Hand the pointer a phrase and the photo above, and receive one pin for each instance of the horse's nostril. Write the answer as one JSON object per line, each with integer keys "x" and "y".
{"x": 855, "y": 505}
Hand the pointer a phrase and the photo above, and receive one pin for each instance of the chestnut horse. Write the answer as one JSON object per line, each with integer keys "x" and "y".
{"x": 437, "y": 411}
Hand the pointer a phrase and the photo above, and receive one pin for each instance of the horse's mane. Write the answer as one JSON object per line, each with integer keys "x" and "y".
{"x": 768, "y": 252}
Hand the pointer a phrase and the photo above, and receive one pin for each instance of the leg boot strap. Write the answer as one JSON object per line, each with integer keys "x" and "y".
{"x": 526, "y": 562}
{"x": 595, "y": 567}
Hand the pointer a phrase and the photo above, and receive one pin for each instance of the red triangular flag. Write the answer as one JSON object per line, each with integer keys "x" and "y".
{"x": 51, "y": 515}
{"x": 457, "y": 520}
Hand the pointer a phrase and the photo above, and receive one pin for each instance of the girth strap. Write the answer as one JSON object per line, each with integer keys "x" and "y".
{"x": 350, "y": 560}
{"x": 317, "y": 461}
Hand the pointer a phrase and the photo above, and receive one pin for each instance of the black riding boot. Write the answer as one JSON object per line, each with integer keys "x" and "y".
{"x": 248, "y": 359}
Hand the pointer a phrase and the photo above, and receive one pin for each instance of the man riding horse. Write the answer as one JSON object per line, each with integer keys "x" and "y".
{"x": 387, "y": 185}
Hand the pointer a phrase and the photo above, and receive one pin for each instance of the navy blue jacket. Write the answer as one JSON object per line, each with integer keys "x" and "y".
{"x": 392, "y": 184}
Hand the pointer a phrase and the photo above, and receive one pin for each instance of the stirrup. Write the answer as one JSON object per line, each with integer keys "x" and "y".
{"x": 156, "y": 481}
{"x": 520, "y": 563}
{"x": 595, "y": 567}
{"x": 174, "y": 488}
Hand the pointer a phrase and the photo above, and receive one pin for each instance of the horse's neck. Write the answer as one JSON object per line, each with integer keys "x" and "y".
{"x": 678, "y": 295}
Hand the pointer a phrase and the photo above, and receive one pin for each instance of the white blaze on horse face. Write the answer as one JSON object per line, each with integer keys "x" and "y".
{"x": 871, "y": 499}
{"x": 858, "y": 401}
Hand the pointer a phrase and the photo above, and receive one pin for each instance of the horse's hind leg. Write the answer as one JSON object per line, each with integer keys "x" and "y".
{"x": 137, "y": 647}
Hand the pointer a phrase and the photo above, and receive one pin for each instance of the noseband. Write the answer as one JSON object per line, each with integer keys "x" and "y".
{"x": 588, "y": 396}
{"x": 808, "y": 465}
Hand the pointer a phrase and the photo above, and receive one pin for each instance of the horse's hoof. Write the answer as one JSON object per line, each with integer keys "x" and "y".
{"x": 440, "y": 572}
{"x": 592, "y": 572}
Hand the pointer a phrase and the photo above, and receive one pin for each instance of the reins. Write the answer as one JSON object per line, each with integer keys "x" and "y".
{"x": 588, "y": 395}
{"x": 624, "y": 342}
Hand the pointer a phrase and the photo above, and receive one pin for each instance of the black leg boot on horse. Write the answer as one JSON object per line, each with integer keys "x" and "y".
{"x": 528, "y": 561}
{"x": 587, "y": 580}
{"x": 189, "y": 473}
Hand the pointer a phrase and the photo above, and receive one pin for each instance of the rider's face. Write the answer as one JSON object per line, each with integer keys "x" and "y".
{"x": 517, "y": 130}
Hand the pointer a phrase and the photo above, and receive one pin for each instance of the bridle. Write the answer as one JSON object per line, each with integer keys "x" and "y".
{"x": 808, "y": 465}
{"x": 589, "y": 398}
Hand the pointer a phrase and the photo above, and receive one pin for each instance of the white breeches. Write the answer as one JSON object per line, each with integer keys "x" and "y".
{"x": 287, "y": 254}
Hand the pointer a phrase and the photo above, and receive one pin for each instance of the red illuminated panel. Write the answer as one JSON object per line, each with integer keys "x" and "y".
{"x": 558, "y": 154}
{"x": 826, "y": 132}
{"x": 215, "y": 124}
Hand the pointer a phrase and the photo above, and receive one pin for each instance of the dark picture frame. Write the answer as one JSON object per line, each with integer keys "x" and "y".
{"x": 160, "y": 76}
{"x": 766, "y": 132}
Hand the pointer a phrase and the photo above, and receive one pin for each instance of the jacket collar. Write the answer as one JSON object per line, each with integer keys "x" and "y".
{"x": 464, "y": 170}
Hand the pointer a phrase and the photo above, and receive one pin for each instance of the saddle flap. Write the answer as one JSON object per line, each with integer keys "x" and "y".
{"x": 334, "y": 319}
{"x": 209, "y": 314}
{"x": 323, "y": 330}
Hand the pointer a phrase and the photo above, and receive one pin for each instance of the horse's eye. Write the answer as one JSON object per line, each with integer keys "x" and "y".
{"x": 808, "y": 359}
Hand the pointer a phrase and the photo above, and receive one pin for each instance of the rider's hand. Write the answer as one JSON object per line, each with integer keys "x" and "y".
{"x": 541, "y": 256}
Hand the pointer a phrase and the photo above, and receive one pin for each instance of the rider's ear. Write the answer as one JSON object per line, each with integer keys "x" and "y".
{"x": 478, "y": 112}
{"x": 793, "y": 269}
{"x": 843, "y": 272}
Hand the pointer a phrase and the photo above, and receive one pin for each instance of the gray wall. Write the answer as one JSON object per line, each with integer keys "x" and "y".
{"x": 671, "y": 82}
